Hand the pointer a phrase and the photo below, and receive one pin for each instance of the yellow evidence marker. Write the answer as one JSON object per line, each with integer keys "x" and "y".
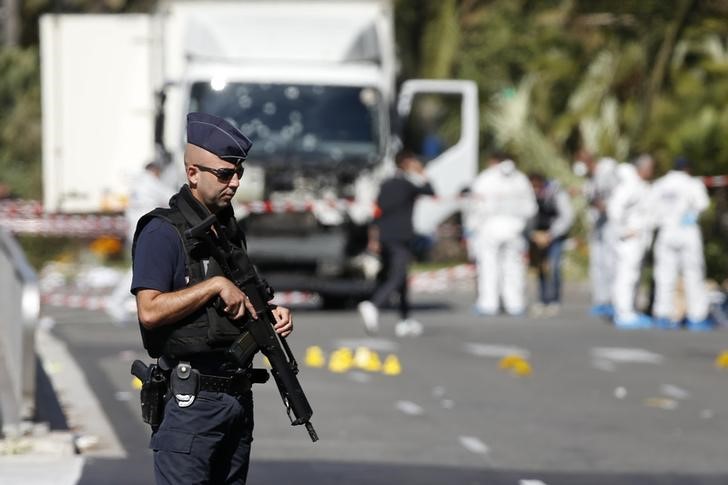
{"x": 516, "y": 364}
{"x": 315, "y": 357}
{"x": 391, "y": 366}
{"x": 341, "y": 360}
{"x": 721, "y": 362}
{"x": 367, "y": 359}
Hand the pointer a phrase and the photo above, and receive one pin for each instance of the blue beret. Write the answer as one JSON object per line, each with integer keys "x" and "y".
{"x": 217, "y": 136}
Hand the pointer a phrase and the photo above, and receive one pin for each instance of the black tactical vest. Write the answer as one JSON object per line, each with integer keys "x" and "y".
{"x": 547, "y": 210}
{"x": 205, "y": 330}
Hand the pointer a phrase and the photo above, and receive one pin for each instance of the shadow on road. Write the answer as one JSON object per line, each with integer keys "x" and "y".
{"x": 139, "y": 472}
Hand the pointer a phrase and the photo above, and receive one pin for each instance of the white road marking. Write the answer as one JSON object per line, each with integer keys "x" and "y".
{"x": 531, "y": 482}
{"x": 474, "y": 445}
{"x": 487, "y": 350}
{"x": 358, "y": 376}
{"x": 707, "y": 414}
{"x": 674, "y": 392}
{"x": 123, "y": 396}
{"x": 604, "y": 365}
{"x": 626, "y": 355}
{"x": 410, "y": 408}
{"x": 377, "y": 344}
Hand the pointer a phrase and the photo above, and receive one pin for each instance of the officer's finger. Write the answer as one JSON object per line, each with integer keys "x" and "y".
{"x": 249, "y": 305}
{"x": 283, "y": 315}
{"x": 284, "y": 329}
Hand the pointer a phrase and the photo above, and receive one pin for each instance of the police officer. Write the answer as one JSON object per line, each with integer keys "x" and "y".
{"x": 206, "y": 432}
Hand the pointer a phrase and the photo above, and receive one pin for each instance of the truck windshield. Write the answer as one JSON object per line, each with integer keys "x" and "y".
{"x": 307, "y": 124}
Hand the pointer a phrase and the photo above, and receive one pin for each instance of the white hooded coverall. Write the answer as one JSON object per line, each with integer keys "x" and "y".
{"x": 598, "y": 190}
{"x": 628, "y": 211}
{"x": 504, "y": 202}
{"x": 679, "y": 200}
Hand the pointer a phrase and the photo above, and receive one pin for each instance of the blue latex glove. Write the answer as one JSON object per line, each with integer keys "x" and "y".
{"x": 689, "y": 219}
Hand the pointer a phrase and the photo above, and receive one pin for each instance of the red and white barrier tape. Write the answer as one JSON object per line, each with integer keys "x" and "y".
{"x": 66, "y": 225}
{"x": 716, "y": 181}
{"x": 280, "y": 207}
{"x": 85, "y": 302}
{"x": 27, "y": 216}
{"x": 100, "y": 302}
{"x": 20, "y": 208}
{"x": 441, "y": 279}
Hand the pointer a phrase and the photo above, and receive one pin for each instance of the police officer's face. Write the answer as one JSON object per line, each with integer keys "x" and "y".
{"x": 213, "y": 191}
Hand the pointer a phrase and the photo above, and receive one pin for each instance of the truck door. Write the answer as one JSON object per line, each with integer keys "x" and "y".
{"x": 440, "y": 123}
{"x": 98, "y": 108}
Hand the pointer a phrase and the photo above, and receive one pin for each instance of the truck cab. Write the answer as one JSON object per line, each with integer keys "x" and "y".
{"x": 312, "y": 83}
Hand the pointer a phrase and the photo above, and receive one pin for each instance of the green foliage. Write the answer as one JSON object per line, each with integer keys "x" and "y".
{"x": 20, "y": 122}
{"x": 618, "y": 77}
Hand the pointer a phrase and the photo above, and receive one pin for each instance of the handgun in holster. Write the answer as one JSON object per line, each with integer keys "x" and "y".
{"x": 153, "y": 392}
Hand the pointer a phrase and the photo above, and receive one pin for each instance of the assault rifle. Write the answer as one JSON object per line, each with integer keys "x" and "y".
{"x": 258, "y": 334}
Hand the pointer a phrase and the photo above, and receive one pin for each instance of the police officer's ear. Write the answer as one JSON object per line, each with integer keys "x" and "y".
{"x": 193, "y": 174}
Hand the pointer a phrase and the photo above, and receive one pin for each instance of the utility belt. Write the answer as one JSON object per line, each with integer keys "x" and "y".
{"x": 183, "y": 382}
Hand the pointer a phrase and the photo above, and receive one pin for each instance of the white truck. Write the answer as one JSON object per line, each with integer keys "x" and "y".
{"x": 311, "y": 82}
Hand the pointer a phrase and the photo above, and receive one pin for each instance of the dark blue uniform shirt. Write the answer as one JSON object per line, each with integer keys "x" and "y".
{"x": 159, "y": 258}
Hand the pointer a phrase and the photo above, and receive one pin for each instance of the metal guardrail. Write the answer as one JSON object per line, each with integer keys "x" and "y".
{"x": 19, "y": 312}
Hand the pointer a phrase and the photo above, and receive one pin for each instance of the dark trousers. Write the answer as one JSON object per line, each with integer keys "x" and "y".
{"x": 207, "y": 442}
{"x": 549, "y": 273}
{"x": 396, "y": 258}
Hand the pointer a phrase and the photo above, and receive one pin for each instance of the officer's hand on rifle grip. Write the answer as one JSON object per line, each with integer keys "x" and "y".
{"x": 236, "y": 302}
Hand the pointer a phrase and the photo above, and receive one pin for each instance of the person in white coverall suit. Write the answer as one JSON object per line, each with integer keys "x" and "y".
{"x": 504, "y": 202}
{"x": 598, "y": 188}
{"x": 147, "y": 192}
{"x": 628, "y": 210}
{"x": 679, "y": 199}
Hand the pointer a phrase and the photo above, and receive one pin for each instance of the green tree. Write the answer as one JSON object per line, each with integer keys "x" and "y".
{"x": 20, "y": 130}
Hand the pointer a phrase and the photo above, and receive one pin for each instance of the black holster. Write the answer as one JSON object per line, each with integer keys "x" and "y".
{"x": 153, "y": 393}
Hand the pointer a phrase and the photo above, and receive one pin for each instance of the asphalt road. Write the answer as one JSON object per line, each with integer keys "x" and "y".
{"x": 599, "y": 406}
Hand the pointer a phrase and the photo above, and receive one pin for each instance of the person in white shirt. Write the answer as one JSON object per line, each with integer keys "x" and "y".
{"x": 628, "y": 210}
{"x": 503, "y": 203}
{"x": 598, "y": 188}
{"x": 678, "y": 200}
